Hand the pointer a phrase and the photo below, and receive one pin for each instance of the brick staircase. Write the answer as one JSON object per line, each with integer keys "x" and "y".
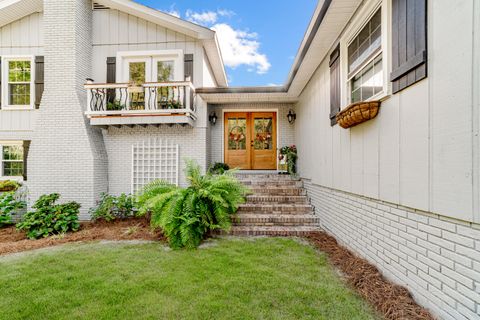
{"x": 278, "y": 206}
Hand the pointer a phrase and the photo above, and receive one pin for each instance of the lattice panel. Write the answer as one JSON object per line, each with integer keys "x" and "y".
{"x": 154, "y": 159}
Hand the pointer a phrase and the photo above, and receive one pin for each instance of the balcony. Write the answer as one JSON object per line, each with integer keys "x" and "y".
{"x": 123, "y": 104}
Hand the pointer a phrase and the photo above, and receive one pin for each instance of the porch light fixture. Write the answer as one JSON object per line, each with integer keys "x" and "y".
{"x": 291, "y": 116}
{"x": 212, "y": 118}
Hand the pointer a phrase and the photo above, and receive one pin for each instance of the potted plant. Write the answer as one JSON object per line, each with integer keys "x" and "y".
{"x": 288, "y": 156}
{"x": 9, "y": 185}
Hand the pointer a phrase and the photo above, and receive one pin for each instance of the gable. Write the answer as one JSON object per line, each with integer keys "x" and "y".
{"x": 22, "y": 36}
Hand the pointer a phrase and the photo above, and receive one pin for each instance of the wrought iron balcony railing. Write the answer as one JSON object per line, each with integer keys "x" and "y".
{"x": 122, "y": 99}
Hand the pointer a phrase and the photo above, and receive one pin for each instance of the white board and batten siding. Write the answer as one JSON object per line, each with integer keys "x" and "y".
{"x": 115, "y": 31}
{"x": 21, "y": 37}
{"x": 423, "y": 149}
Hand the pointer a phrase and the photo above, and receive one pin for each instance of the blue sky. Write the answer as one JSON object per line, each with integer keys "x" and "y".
{"x": 259, "y": 39}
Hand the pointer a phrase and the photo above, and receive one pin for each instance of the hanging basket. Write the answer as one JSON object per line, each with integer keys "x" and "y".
{"x": 357, "y": 113}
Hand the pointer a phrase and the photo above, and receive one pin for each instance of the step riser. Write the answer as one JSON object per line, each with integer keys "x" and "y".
{"x": 273, "y": 184}
{"x": 279, "y": 192}
{"x": 258, "y": 222}
{"x": 270, "y": 233}
{"x": 276, "y": 209}
{"x": 301, "y": 200}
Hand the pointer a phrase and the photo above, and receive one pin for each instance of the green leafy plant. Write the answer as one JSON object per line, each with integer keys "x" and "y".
{"x": 186, "y": 215}
{"x": 289, "y": 153}
{"x": 111, "y": 207}
{"x": 50, "y": 218}
{"x": 9, "y": 204}
{"x": 219, "y": 168}
{"x": 115, "y": 105}
{"x": 9, "y": 185}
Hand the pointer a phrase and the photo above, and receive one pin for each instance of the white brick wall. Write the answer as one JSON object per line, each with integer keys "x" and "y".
{"x": 119, "y": 141}
{"x": 67, "y": 155}
{"x": 286, "y": 131}
{"x": 438, "y": 259}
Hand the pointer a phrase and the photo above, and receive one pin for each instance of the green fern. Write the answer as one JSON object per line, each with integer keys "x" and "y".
{"x": 186, "y": 215}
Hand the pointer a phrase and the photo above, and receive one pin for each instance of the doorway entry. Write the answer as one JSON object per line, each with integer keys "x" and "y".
{"x": 251, "y": 140}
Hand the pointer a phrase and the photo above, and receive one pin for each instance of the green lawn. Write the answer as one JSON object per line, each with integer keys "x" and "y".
{"x": 263, "y": 278}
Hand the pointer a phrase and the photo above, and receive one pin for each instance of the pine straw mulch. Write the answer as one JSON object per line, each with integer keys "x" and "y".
{"x": 392, "y": 301}
{"x": 12, "y": 241}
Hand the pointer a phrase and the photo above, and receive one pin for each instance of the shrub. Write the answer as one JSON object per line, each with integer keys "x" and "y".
{"x": 9, "y": 185}
{"x": 185, "y": 215}
{"x": 49, "y": 218}
{"x": 219, "y": 168}
{"x": 8, "y": 205}
{"x": 110, "y": 207}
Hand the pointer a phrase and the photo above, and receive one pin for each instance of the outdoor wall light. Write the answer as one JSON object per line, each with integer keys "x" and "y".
{"x": 291, "y": 116}
{"x": 212, "y": 118}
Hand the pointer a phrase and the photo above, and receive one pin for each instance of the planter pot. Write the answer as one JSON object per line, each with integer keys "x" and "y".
{"x": 357, "y": 113}
{"x": 8, "y": 189}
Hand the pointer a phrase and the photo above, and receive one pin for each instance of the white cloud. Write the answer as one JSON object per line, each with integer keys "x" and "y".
{"x": 203, "y": 18}
{"x": 241, "y": 48}
{"x": 174, "y": 13}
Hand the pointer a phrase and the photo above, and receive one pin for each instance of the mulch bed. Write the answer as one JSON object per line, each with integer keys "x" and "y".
{"x": 391, "y": 301}
{"x": 12, "y": 241}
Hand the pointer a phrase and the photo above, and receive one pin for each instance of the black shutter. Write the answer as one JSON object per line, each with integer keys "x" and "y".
{"x": 0, "y": 82}
{"x": 334, "y": 85}
{"x": 409, "y": 43}
{"x": 26, "y": 147}
{"x": 188, "y": 67}
{"x": 111, "y": 77}
{"x": 111, "y": 69}
{"x": 39, "y": 80}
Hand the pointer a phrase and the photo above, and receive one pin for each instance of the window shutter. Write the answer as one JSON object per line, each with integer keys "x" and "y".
{"x": 26, "y": 147}
{"x": 188, "y": 67}
{"x": 111, "y": 69}
{"x": 111, "y": 77}
{"x": 409, "y": 43}
{"x": 39, "y": 80}
{"x": 334, "y": 85}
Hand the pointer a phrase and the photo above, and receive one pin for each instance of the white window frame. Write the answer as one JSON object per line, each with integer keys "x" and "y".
{"x": 363, "y": 16}
{"x": 124, "y": 57}
{"x": 5, "y": 82}
{"x": 10, "y": 143}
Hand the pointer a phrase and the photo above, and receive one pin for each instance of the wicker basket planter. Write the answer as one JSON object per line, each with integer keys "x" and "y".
{"x": 357, "y": 113}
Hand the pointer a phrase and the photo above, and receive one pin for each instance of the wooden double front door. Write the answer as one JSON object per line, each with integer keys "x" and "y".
{"x": 251, "y": 140}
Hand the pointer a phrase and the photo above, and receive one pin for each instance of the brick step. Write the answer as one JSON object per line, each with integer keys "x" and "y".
{"x": 264, "y": 208}
{"x": 266, "y": 177}
{"x": 273, "y": 231}
{"x": 279, "y": 191}
{"x": 273, "y": 183}
{"x": 275, "y": 220}
{"x": 277, "y": 199}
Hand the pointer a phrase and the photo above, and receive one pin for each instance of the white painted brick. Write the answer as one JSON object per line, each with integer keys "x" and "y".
{"x": 468, "y": 272}
{"x": 445, "y": 225}
{"x": 429, "y": 229}
{"x": 444, "y": 244}
{"x": 459, "y": 297}
{"x": 454, "y": 237}
{"x": 457, "y": 257}
{"x": 455, "y": 275}
{"x": 443, "y": 261}
{"x": 468, "y": 252}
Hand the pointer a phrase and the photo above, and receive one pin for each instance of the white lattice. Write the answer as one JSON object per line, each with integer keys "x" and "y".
{"x": 154, "y": 159}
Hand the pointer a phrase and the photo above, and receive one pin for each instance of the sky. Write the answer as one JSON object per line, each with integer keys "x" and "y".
{"x": 259, "y": 39}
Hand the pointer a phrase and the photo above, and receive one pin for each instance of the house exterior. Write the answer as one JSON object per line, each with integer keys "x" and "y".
{"x": 401, "y": 190}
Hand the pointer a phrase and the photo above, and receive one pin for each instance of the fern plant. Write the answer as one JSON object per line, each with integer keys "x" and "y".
{"x": 186, "y": 215}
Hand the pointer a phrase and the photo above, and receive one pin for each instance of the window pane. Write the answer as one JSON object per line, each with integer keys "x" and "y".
{"x": 12, "y": 169}
{"x": 12, "y": 153}
{"x": 263, "y": 134}
{"x": 367, "y": 41}
{"x": 136, "y": 72}
{"x": 368, "y": 82}
{"x": 19, "y": 71}
{"x": 165, "y": 71}
{"x": 237, "y": 137}
{"x": 19, "y": 94}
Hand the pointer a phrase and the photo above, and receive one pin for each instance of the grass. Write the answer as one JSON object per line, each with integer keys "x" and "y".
{"x": 264, "y": 278}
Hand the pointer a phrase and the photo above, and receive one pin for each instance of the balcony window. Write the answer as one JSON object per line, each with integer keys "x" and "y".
{"x": 365, "y": 63}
